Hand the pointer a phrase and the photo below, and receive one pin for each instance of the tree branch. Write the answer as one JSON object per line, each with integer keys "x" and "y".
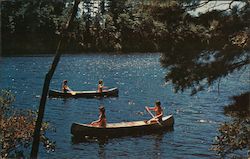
{"x": 195, "y": 6}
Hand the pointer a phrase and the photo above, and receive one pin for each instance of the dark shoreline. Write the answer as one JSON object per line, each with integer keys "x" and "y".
{"x": 75, "y": 53}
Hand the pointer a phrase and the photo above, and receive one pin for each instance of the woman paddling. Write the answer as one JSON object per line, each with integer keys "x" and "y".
{"x": 101, "y": 122}
{"x": 158, "y": 112}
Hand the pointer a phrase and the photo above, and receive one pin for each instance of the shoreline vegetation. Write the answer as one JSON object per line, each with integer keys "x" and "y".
{"x": 234, "y": 134}
{"x": 30, "y": 27}
{"x": 17, "y": 127}
{"x": 74, "y": 53}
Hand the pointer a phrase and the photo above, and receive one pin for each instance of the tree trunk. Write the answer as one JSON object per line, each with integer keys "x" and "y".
{"x": 61, "y": 45}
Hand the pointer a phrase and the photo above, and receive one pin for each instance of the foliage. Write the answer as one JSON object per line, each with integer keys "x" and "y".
{"x": 17, "y": 128}
{"x": 234, "y": 135}
{"x": 121, "y": 25}
{"x": 241, "y": 107}
{"x": 202, "y": 50}
{"x": 34, "y": 21}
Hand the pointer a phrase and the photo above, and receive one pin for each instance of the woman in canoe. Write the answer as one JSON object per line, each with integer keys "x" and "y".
{"x": 101, "y": 122}
{"x": 65, "y": 87}
{"x": 158, "y": 112}
{"x": 100, "y": 86}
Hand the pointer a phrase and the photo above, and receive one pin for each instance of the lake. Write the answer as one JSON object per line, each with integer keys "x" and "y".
{"x": 140, "y": 79}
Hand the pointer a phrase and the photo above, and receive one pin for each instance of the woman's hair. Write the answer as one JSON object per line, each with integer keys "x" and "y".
{"x": 100, "y": 81}
{"x": 158, "y": 103}
{"x": 102, "y": 109}
{"x": 65, "y": 81}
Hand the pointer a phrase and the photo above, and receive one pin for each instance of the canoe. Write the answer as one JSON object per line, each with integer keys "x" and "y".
{"x": 121, "y": 129}
{"x": 84, "y": 94}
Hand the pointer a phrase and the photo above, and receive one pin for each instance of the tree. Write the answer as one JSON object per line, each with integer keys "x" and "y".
{"x": 61, "y": 45}
{"x": 35, "y": 21}
{"x": 204, "y": 49}
{"x": 201, "y": 50}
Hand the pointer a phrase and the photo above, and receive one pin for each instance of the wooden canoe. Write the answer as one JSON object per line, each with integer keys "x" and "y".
{"x": 121, "y": 129}
{"x": 112, "y": 92}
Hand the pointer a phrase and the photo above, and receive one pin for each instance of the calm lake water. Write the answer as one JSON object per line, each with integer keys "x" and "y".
{"x": 140, "y": 79}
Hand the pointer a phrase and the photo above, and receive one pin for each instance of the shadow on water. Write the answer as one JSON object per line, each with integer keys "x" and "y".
{"x": 105, "y": 139}
{"x": 101, "y": 151}
{"x": 157, "y": 145}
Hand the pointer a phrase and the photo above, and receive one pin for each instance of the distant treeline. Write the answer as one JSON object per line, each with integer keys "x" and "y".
{"x": 33, "y": 26}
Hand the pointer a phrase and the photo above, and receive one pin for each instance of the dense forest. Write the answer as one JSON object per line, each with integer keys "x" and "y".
{"x": 123, "y": 26}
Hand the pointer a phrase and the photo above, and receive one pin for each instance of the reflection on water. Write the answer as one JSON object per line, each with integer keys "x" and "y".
{"x": 104, "y": 140}
{"x": 156, "y": 146}
{"x": 101, "y": 143}
{"x": 101, "y": 152}
{"x": 140, "y": 80}
{"x": 77, "y": 140}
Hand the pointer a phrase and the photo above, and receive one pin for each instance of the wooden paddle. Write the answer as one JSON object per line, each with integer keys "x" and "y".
{"x": 72, "y": 92}
{"x": 152, "y": 115}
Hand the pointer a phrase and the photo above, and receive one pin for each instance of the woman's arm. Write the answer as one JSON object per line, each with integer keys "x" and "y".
{"x": 157, "y": 116}
{"x": 94, "y": 122}
{"x": 67, "y": 87}
{"x": 97, "y": 121}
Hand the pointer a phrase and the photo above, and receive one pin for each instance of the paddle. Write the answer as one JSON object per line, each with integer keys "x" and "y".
{"x": 152, "y": 115}
{"x": 105, "y": 89}
{"x": 72, "y": 92}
